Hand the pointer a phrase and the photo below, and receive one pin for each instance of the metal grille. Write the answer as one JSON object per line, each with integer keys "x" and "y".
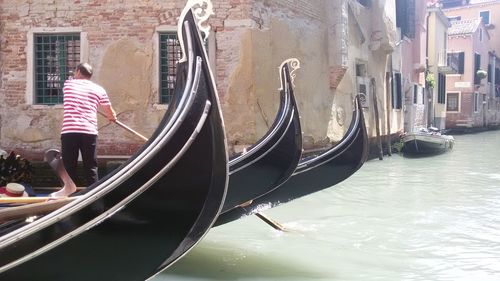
{"x": 170, "y": 53}
{"x": 55, "y": 56}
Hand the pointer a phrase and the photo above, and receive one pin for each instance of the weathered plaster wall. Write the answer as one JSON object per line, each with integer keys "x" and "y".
{"x": 239, "y": 100}
{"x": 252, "y": 98}
{"x": 130, "y": 63}
{"x": 372, "y": 38}
{"x": 120, "y": 47}
{"x": 252, "y": 38}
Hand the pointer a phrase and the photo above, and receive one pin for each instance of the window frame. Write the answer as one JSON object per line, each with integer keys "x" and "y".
{"x": 56, "y": 55}
{"x": 156, "y": 64}
{"x": 175, "y": 55}
{"x": 30, "y": 94}
{"x": 488, "y": 16}
{"x": 458, "y": 95}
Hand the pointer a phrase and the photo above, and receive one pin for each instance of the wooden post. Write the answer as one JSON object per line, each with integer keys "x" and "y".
{"x": 377, "y": 120}
{"x": 388, "y": 81}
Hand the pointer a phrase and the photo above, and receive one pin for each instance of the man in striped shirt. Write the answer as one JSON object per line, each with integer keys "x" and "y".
{"x": 82, "y": 98}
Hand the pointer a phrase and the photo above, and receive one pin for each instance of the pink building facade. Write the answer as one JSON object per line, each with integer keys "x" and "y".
{"x": 473, "y": 95}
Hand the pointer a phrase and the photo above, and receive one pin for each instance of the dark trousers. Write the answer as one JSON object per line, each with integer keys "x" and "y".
{"x": 71, "y": 144}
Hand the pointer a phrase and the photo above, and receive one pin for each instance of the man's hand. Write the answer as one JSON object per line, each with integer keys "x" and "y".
{"x": 110, "y": 112}
{"x": 112, "y": 118}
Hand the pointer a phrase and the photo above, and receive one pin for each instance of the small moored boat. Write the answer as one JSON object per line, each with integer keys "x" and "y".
{"x": 426, "y": 142}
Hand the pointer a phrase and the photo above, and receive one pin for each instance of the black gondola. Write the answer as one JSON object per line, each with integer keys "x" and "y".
{"x": 147, "y": 213}
{"x": 271, "y": 160}
{"x": 316, "y": 172}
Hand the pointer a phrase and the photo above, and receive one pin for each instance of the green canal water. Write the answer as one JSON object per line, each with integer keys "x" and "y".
{"x": 433, "y": 218}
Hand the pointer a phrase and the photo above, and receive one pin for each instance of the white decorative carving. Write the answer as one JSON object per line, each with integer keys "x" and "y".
{"x": 202, "y": 10}
{"x": 294, "y": 64}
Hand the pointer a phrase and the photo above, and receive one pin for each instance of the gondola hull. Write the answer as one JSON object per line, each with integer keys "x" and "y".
{"x": 148, "y": 212}
{"x": 314, "y": 173}
{"x": 272, "y": 160}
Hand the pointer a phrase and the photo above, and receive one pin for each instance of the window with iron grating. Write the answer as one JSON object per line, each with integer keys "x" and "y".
{"x": 55, "y": 56}
{"x": 170, "y": 53}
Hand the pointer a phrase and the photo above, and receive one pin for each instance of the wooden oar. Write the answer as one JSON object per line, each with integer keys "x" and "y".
{"x": 130, "y": 130}
{"x": 127, "y": 128}
{"x": 40, "y": 208}
{"x": 29, "y": 200}
{"x": 276, "y": 225}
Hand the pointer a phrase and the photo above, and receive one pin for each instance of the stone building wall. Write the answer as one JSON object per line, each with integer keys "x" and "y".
{"x": 120, "y": 47}
{"x": 278, "y": 30}
{"x": 251, "y": 37}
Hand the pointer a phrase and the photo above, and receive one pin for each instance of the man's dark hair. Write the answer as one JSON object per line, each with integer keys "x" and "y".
{"x": 85, "y": 69}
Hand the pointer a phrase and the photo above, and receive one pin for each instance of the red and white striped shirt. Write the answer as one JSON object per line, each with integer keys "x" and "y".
{"x": 82, "y": 97}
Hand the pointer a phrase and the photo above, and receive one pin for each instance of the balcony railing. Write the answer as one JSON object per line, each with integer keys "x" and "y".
{"x": 448, "y": 62}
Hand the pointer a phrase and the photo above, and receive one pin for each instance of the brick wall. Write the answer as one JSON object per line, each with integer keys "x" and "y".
{"x": 466, "y": 114}
{"x": 300, "y": 8}
{"x": 106, "y": 23}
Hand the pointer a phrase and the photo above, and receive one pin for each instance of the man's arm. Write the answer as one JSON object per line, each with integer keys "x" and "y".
{"x": 110, "y": 112}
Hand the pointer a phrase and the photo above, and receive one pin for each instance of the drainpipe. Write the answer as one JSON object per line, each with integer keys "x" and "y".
{"x": 388, "y": 107}
{"x": 493, "y": 83}
{"x": 429, "y": 93}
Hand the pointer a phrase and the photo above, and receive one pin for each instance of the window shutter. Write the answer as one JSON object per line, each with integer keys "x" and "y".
{"x": 410, "y": 31}
{"x": 399, "y": 94}
{"x": 400, "y": 12}
{"x": 489, "y": 73}
{"x": 497, "y": 76}
{"x": 461, "y": 57}
{"x": 415, "y": 94}
{"x": 477, "y": 63}
{"x": 441, "y": 88}
{"x": 396, "y": 91}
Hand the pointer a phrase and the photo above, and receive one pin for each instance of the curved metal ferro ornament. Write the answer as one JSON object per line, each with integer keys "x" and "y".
{"x": 202, "y": 13}
{"x": 294, "y": 64}
{"x": 202, "y": 10}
